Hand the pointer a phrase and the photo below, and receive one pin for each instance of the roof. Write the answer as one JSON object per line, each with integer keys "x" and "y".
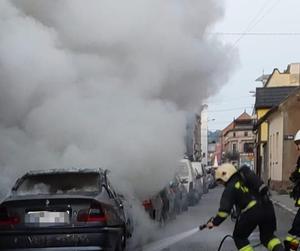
{"x": 263, "y": 78}
{"x": 242, "y": 119}
{"x": 272, "y": 96}
{"x": 227, "y": 128}
{"x": 244, "y": 116}
{"x": 294, "y": 92}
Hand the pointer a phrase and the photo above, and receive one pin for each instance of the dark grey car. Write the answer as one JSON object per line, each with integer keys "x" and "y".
{"x": 63, "y": 210}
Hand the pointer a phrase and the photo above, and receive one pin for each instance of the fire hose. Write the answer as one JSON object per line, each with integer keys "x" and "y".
{"x": 228, "y": 236}
{"x": 169, "y": 241}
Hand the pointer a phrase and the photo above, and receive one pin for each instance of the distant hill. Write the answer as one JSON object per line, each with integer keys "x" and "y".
{"x": 213, "y": 137}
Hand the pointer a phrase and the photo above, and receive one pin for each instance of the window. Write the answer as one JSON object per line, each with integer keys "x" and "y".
{"x": 277, "y": 146}
{"x": 248, "y": 147}
{"x": 234, "y": 149}
{"x": 59, "y": 183}
{"x": 234, "y": 134}
{"x": 271, "y": 149}
{"x": 246, "y": 134}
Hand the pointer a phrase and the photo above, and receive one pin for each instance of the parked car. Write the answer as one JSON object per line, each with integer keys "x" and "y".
{"x": 210, "y": 177}
{"x": 168, "y": 197}
{"x": 181, "y": 195}
{"x": 75, "y": 209}
{"x": 201, "y": 184}
{"x": 154, "y": 207}
{"x": 188, "y": 177}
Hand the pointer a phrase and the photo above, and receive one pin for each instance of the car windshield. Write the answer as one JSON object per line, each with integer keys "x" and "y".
{"x": 59, "y": 183}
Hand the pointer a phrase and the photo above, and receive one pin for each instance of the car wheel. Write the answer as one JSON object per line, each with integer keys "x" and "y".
{"x": 192, "y": 200}
{"x": 162, "y": 222}
{"x": 121, "y": 244}
{"x": 124, "y": 240}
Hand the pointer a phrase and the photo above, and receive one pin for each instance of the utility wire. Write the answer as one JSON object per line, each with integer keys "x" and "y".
{"x": 252, "y": 21}
{"x": 257, "y": 33}
{"x": 266, "y": 13}
{"x": 231, "y": 109}
{"x": 232, "y": 101}
{"x": 256, "y": 20}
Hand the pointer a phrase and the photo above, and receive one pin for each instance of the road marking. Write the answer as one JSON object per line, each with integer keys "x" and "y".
{"x": 284, "y": 207}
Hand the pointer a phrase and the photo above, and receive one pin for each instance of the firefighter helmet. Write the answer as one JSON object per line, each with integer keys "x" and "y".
{"x": 225, "y": 172}
{"x": 297, "y": 138}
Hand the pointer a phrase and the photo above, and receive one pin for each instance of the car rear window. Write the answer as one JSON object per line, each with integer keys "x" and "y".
{"x": 59, "y": 183}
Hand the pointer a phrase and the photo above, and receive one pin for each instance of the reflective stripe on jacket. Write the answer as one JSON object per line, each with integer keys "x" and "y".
{"x": 235, "y": 193}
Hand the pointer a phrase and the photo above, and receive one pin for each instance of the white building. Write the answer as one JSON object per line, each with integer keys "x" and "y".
{"x": 204, "y": 134}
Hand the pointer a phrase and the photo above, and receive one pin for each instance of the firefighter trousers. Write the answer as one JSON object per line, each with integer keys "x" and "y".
{"x": 295, "y": 230}
{"x": 263, "y": 216}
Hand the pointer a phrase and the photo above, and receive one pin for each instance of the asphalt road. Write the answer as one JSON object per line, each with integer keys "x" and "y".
{"x": 209, "y": 240}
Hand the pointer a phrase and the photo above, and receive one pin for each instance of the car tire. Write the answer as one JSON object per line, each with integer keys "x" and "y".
{"x": 119, "y": 246}
{"x": 192, "y": 200}
{"x": 124, "y": 240}
{"x": 162, "y": 222}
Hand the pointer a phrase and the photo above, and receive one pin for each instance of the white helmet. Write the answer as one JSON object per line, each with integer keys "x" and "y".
{"x": 297, "y": 138}
{"x": 225, "y": 172}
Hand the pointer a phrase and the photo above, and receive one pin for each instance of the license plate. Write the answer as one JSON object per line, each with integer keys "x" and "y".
{"x": 47, "y": 217}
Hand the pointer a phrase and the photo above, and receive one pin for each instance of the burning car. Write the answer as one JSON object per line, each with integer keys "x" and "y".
{"x": 75, "y": 209}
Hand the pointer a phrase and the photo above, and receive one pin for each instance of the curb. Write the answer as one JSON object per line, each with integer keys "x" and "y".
{"x": 279, "y": 204}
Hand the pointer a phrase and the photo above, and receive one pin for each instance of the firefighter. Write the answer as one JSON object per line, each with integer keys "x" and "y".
{"x": 292, "y": 240}
{"x": 253, "y": 212}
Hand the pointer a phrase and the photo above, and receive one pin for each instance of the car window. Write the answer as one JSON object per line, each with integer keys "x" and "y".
{"x": 59, "y": 183}
{"x": 106, "y": 193}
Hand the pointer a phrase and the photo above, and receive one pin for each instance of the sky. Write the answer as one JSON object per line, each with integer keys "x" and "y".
{"x": 257, "y": 54}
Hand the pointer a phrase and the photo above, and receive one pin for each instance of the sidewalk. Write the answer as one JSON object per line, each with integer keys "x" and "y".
{"x": 284, "y": 201}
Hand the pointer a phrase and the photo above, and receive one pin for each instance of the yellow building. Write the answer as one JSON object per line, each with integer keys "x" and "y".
{"x": 283, "y": 122}
{"x": 276, "y": 87}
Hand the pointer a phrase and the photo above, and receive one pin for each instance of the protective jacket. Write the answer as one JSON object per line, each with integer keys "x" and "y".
{"x": 295, "y": 178}
{"x": 252, "y": 214}
{"x": 235, "y": 193}
{"x": 257, "y": 187}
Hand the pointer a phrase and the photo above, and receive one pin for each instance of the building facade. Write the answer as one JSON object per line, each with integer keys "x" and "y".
{"x": 276, "y": 87}
{"x": 204, "y": 135}
{"x": 266, "y": 99}
{"x": 193, "y": 137}
{"x": 283, "y": 122}
{"x": 238, "y": 141}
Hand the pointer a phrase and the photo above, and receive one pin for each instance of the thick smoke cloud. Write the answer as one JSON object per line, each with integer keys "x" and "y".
{"x": 104, "y": 84}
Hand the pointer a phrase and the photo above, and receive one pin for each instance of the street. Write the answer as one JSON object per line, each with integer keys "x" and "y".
{"x": 209, "y": 240}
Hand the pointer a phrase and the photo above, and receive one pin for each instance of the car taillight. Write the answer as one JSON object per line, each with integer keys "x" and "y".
{"x": 7, "y": 219}
{"x": 93, "y": 214}
{"x": 147, "y": 204}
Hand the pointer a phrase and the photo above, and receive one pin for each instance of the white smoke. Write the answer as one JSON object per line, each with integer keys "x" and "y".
{"x": 104, "y": 83}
